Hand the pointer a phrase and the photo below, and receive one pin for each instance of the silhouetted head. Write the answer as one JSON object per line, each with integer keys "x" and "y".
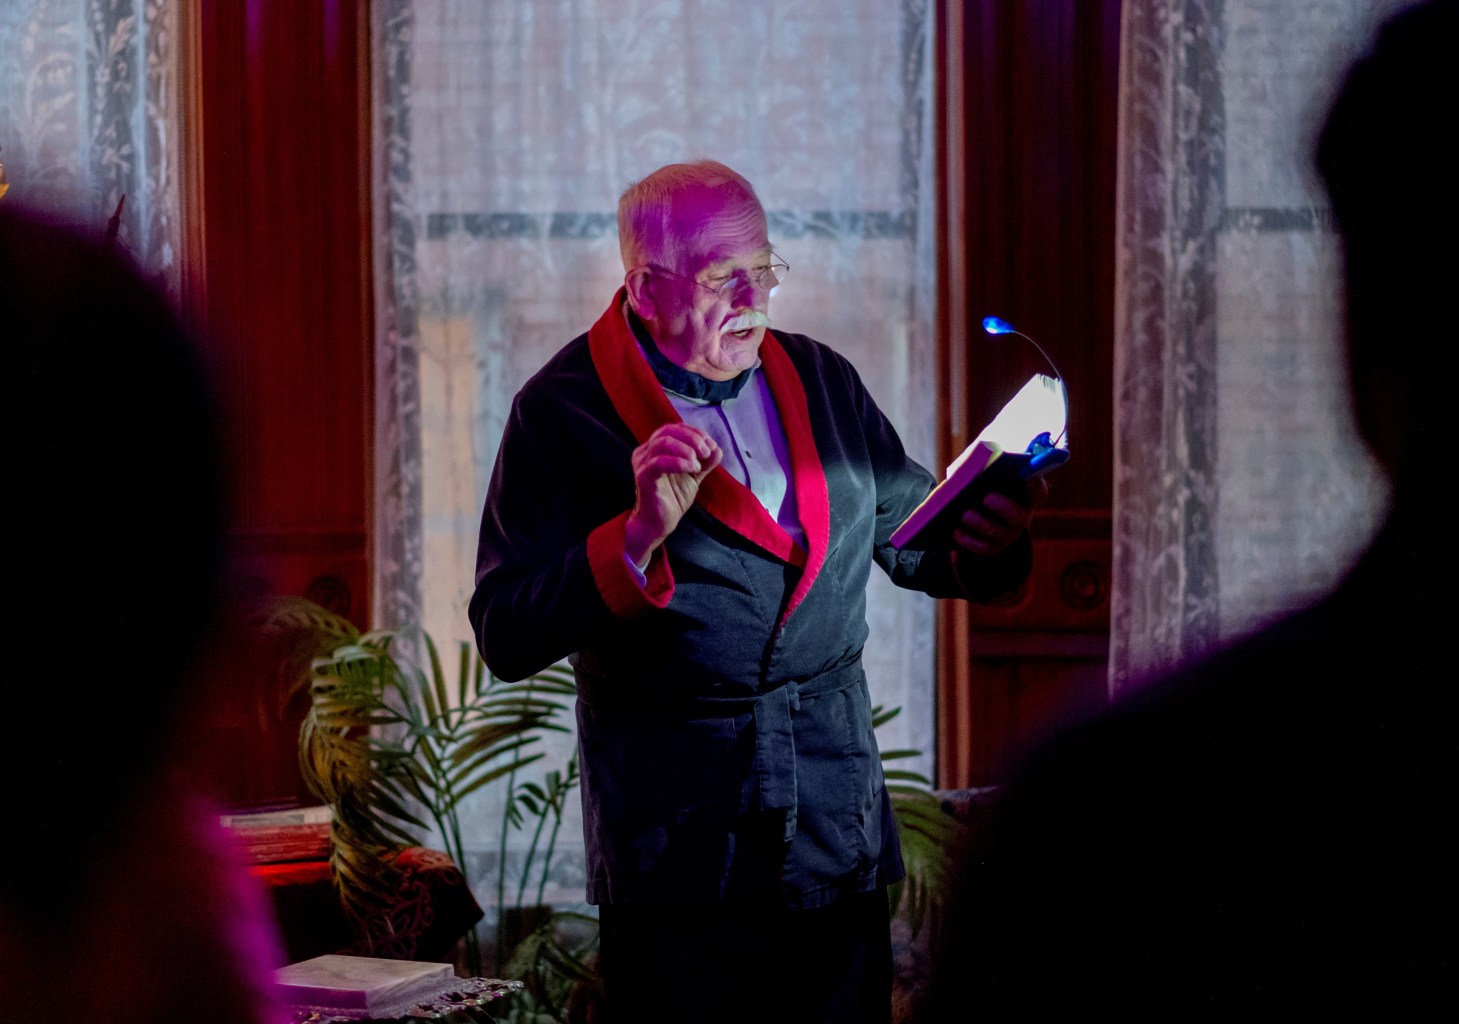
{"x": 116, "y": 505}
{"x": 1383, "y": 156}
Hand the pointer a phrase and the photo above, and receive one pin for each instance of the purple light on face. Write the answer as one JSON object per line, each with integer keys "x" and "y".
{"x": 997, "y": 325}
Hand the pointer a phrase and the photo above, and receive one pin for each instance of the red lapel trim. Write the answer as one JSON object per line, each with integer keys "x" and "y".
{"x": 635, "y": 394}
{"x": 812, "y": 499}
{"x": 640, "y": 402}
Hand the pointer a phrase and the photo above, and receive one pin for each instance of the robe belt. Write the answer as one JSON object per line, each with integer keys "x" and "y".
{"x": 775, "y": 777}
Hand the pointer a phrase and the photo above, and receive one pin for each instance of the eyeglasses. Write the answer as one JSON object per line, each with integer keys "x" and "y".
{"x": 724, "y": 285}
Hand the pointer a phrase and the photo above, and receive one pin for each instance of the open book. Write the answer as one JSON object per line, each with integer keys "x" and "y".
{"x": 1026, "y": 439}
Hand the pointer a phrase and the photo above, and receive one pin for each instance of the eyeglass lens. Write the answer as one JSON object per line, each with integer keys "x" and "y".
{"x": 765, "y": 278}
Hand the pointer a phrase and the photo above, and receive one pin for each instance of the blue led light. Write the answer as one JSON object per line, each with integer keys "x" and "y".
{"x": 996, "y": 325}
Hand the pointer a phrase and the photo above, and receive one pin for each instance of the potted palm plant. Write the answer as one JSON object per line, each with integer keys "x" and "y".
{"x": 387, "y": 742}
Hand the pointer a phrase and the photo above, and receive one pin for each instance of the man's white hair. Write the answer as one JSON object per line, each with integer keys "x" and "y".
{"x": 656, "y": 225}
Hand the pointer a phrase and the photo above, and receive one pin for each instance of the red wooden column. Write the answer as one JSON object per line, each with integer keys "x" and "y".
{"x": 1028, "y": 97}
{"x": 277, "y": 143}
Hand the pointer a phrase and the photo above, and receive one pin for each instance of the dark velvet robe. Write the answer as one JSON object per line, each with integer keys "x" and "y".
{"x": 724, "y": 721}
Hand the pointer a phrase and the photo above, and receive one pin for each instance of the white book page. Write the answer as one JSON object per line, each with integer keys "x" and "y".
{"x": 1039, "y": 406}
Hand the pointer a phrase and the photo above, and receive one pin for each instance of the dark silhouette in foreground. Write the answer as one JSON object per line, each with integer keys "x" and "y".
{"x": 121, "y": 899}
{"x": 1266, "y": 834}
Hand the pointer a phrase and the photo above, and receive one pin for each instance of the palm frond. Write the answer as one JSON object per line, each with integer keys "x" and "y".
{"x": 880, "y": 716}
{"x": 552, "y": 968}
{"x": 496, "y": 773}
{"x": 917, "y": 779}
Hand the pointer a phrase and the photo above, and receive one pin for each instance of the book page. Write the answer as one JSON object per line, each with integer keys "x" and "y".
{"x": 1039, "y": 406}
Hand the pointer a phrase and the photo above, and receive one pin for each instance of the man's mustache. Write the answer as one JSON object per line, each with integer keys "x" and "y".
{"x": 747, "y": 321}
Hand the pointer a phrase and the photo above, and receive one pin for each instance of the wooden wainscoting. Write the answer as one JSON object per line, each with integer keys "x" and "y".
{"x": 1037, "y": 663}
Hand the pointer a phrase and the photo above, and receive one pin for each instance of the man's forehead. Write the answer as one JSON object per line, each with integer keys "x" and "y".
{"x": 713, "y": 228}
{"x": 716, "y": 255}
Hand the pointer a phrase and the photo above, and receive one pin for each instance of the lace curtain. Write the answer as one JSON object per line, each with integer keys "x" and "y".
{"x": 506, "y": 132}
{"x": 1241, "y": 488}
{"x": 89, "y": 113}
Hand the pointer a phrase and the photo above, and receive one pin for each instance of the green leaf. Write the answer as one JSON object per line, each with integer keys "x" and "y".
{"x": 880, "y": 717}
{"x": 463, "y": 675}
{"x": 438, "y": 675}
{"x": 905, "y": 776}
{"x": 479, "y": 781}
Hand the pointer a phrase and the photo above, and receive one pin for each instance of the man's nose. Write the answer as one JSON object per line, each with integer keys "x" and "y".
{"x": 746, "y": 290}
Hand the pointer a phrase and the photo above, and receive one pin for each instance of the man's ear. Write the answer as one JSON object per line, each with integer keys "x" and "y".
{"x": 639, "y": 283}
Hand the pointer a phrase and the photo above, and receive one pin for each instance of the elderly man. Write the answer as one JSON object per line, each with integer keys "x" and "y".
{"x": 689, "y": 505}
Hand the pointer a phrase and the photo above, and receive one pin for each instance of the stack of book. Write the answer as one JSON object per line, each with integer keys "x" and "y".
{"x": 273, "y": 836}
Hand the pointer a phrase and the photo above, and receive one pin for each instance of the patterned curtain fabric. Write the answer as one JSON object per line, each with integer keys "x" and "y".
{"x": 1241, "y": 488}
{"x": 89, "y": 113}
{"x": 505, "y": 134}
